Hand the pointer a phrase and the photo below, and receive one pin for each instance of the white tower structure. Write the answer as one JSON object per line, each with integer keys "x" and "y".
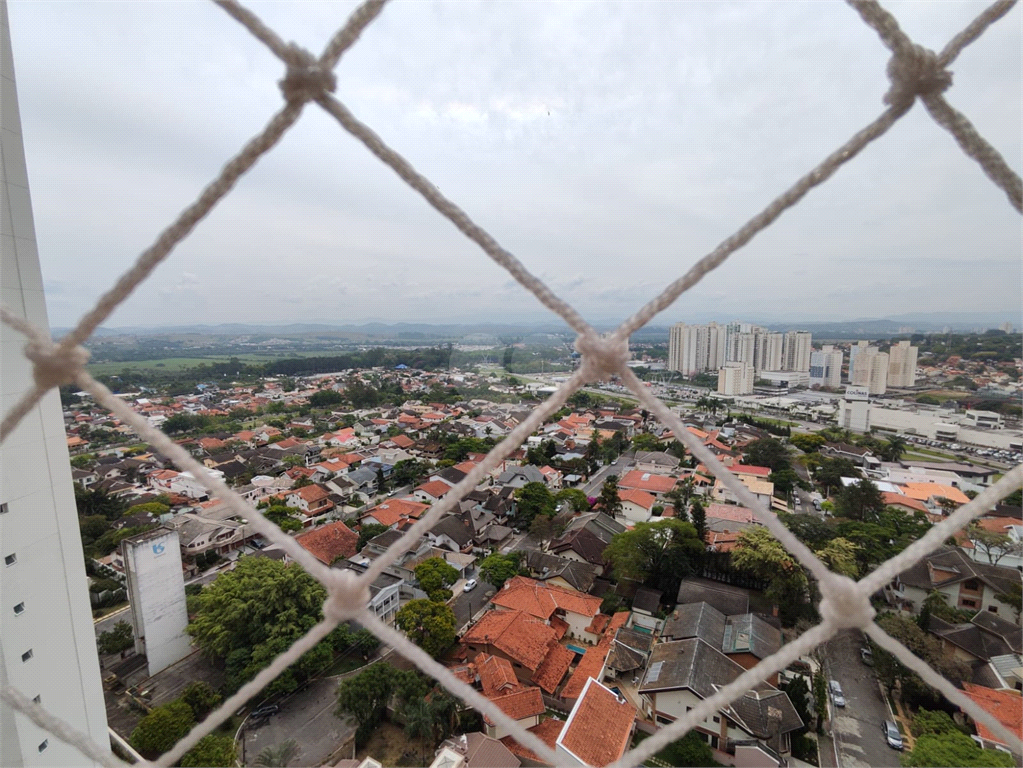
{"x": 902, "y": 365}
{"x": 156, "y": 592}
{"x": 47, "y": 639}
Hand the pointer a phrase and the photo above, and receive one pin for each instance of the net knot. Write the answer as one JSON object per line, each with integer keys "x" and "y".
{"x": 53, "y": 364}
{"x": 306, "y": 78}
{"x": 915, "y": 71}
{"x": 845, "y": 604}
{"x": 347, "y": 595}
{"x": 602, "y": 355}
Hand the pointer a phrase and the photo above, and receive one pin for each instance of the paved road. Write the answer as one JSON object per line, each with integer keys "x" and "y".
{"x": 308, "y": 718}
{"x": 466, "y": 604}
{"x": 107, "y": 622}
{"x": 592, "y": 488}
{"x": 856, "y": 728}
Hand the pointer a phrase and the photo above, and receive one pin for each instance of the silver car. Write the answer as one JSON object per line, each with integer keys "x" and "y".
{"x": 891, "y": 734}
{"x": 836, "y": 693}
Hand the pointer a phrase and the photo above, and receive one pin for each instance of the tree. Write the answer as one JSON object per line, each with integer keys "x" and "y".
{"x": 366, "y": 695}
{"x": 543, "y": 529}
{"x": 497, "y": 568}
{"x": 154, "y": 508}
{"x": 680, "y": 496}
{"x": 420, "y": 720}
{"x": 610, "y": 502}
{"x": 760, "y": 554}
{"x": 434, "y": 576}
{"x": 994, "y": 544}
{"x": 955, "y": 748}
{"x": 280, "y": 515}
{"x": 860, "y": 501}
{"x": 926, "y": 721}
{"x": 809, "y": 529}
{"x": 212, "y": 750}
{"x": 251, "y": 614}
{"x": 893, "y": 448}
{"x": 839, "y": 555}
{"x": 96, "y": 501}
{"x": 533, "y": 499}
{"x": 369, "y": 531}
{"x": 429, "y": 625}
{"x": 699, "y": 517}
{"x": 660, "y": 553}
{"x": 767, "y": 452}
{"x": 279, "y": 755}
{"x": 1013, "y": 597}
{"x": 645, "y": 442}
{"x": 799, "y": 694}
{"x": 829, "y": 472}
{"x": 576, "y": 498}
{"x": 200, "y": 698}
{"x": 820, "y": 699}
{"x": 162, "y": 728}
{"x": 807, "y": 443}
{"x": 410, "y": 471}
{"x": 118, "y": 639}
{"x": 690, "y": 750}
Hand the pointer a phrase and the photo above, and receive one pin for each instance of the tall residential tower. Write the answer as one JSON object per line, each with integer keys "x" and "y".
{"x": 47, "y": 640}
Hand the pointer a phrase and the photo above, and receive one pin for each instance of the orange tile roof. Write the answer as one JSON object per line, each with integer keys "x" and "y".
{"x": 527, "y": 702}
{"x": 898, "y": 500}
{"x": 638, "y": 497}
{"x": 647, "y": 481}
{"x": 466, "y": 466}
{"x": 497, "y": 676}
{"x": 435, "y": 488}
{"x": 329, "y": 542}
{"x": 516, "y": 634}
{"x": 542, "y": 600}
{"x": 394, "y": 510}
{"x": 309, "y": 493}
{"x": 548, "y": 730}
{"x": 599, "y": 624}
{"x": 553, "y": 668}
{"x": 749, "y": 469}
{"x": 589, "y": 666}
{"x": 402, "y": 441}
{"x": 925, "y": 491}
{"x": 600, "y": 726}
{"x": 730, "y": 512}
{"x": 1006, "y": 706}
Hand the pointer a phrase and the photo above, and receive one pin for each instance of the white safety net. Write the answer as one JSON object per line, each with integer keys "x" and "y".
{"x": 914, "y": 72}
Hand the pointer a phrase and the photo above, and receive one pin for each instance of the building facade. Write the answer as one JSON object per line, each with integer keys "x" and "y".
{"x": 47, "y": 639}
{"x": 902, "y": 365}
{"x": 826, "y": 367}
{"x": 736, "y": 379}
{"x": 156, "y": 593}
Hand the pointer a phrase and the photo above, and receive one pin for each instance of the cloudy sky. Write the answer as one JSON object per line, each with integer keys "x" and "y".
{"x": 609, "y": 146}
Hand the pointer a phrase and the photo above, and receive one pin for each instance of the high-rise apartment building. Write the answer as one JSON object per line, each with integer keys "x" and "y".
{"x": 47, "y": 640}
{"x": 826, "y": 367}
{"x": 770, "y": 348}
{"x": 796, "y": 353}
{"x": 868, "y": 367}
{"x": 736, "y": 379}
{"x": 902, "y": 365}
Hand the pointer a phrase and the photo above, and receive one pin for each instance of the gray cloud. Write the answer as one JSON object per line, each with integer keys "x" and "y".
{"x": 609, "y": 146}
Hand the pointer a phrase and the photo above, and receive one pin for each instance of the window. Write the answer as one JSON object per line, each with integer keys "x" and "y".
{"x": 3, "y": 509}
{"x": 26, "y": 655}
{"x": 19, "y": 609}
{"x": 44, "y": 745}
{"x": 969, "y": 603}
{"x": 38, "y": 699}
{"x": 993, "y": 608}
{"x": 973, "y": 585}
{"x": 10, "y": 559}
{"x": 717, "y": 719}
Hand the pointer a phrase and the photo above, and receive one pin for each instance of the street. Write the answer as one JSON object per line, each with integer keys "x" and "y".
{"x": 308, "y": 718}
{"x": 856, "y": 728}
{"x": 465, "y": 604}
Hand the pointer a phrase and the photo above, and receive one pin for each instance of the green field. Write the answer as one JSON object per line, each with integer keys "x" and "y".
{"x": 181, "y": 363}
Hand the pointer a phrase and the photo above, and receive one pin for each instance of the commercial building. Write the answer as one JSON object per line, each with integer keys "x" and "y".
{"x": 854, "y": 409}
{"x": 48, "y": 647}
{"x": 826, "y": 367}
{"x": 902, "y": 365}
{"x": 156, "y": 592}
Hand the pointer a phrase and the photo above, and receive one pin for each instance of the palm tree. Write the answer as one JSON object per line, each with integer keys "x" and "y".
{"x": 894, "y": 448}
{"x": 420, "y": 719}
{"x": 280, "y": 755}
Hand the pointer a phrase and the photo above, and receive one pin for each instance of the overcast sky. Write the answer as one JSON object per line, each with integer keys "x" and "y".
{"x": 608, "y": 146}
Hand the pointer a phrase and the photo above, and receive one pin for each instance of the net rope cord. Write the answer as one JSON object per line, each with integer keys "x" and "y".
{"x": 914, "y": 72}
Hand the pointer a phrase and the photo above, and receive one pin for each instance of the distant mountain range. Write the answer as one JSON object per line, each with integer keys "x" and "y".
{"x": 483, "y": 332}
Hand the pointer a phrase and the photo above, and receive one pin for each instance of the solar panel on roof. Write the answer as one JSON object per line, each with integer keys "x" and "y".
{"x": 655, "y": 671}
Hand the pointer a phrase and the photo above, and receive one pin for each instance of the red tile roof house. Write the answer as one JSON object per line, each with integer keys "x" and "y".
{"x": 547, "y": 601}
{"x": 531, "y": 645}
{"x": 598, "y": 730}
{"x": 393, "y": 511}
{"x": 1007, "y": 707}
{"x": 637, "y": 506}
{"x": 647, "y": 481}
{"x": 312, "y": 501}
{"x": 329, "y": 542}
{"x": 431, "y": 492}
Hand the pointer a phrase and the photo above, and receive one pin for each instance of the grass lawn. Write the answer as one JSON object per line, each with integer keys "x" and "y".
{"x": 389, "y": 746}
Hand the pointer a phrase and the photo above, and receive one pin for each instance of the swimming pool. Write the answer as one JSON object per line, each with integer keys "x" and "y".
{"x": 575, "y": 649}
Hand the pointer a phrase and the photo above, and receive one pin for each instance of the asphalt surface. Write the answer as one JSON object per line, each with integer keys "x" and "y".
{"x": 308, "y": 718}
{"x": 107, "y": 622}
{"x": 466, "y": 604}
{"x": 856, "y": 728}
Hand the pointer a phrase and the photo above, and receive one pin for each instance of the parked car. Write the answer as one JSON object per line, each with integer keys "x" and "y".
{"x": 836, "y": 693}
{"x": 867, "y": 655}
{"x": 891, "y": 734}
{"x": 470, "y": 585}
{"x": 260, "y": 715}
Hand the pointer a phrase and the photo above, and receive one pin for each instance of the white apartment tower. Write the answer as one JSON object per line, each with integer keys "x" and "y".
{"x": 796, "y": 353}
{"x": 736, "y": 379}
{"x": 826, "y": 367}
{"x": 868, "y": 367}
{"x": 47, "y": 640}
{"x": 902, "y": 365}
{"x": 156, "y": 593}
